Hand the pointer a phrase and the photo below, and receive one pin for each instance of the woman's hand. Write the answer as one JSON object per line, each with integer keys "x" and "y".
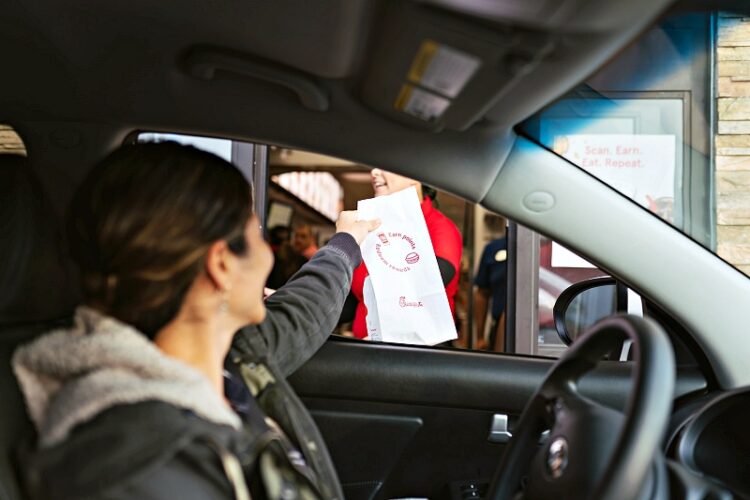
{"x": 348, "y": 223}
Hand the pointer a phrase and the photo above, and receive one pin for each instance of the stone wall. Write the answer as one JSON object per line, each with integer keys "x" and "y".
{"x": 10, "y": 142}
{"x": 733, "y": 141}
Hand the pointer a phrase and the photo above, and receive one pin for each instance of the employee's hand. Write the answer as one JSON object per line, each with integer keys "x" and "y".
{"x": 348, "y": 223}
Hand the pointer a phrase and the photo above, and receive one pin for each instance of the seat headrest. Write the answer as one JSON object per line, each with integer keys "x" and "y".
{"x": 37, "y": 281}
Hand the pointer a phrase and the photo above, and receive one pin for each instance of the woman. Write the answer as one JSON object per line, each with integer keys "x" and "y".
{"x": 444, "y": 235}
{"x": 133, "y": 401}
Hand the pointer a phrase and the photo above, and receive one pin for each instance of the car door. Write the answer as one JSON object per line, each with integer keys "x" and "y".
{"x": 406, "y": 421}
{"x": 418, "y": 421}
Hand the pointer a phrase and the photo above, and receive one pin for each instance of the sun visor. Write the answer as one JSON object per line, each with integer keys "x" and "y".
{"x": 435, "y": 71}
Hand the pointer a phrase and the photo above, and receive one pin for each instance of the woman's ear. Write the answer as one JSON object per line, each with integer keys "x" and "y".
{"x": 219, "y": 266}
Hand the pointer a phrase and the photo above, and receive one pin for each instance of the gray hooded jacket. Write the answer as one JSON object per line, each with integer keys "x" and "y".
{"x": 116, "y": 418}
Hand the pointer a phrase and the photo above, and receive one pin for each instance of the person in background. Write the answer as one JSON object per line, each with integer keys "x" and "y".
{"x": 138, "y": 398}
{"x": 277, "y": 236}
{"x": 444, "y": 235}
{"x": 287, "y": 260}
{"x": 304, "y": 241}
{"x": 490, "y": 288}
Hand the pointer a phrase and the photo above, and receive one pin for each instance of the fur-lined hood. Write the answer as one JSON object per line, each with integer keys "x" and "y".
{"x": 69, "y": 376}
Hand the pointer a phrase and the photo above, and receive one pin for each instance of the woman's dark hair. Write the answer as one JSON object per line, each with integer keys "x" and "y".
{"x": 142, "y": 221}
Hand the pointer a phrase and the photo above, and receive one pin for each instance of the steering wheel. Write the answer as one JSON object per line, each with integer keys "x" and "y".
{"x": 592, "y": 451}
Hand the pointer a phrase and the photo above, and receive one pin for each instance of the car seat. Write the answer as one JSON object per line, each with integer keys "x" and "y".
{"x": 37, "y": 293}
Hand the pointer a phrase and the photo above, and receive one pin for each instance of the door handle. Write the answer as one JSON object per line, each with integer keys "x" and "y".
{"x": 499, "y": 432}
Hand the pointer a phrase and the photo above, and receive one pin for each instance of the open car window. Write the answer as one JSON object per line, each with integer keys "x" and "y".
{"x": 509, "y": 277}
{"x": 503, "y": 300}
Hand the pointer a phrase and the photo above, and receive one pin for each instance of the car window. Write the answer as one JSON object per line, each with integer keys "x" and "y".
{"x": 217, "y": 146}
{"x": 503, "y": 301}
{"x": 249, "y": 158}
{"x": 10, "y": 141}
{"x": 541, "y": 270}
{"x": 307, "y": 191}
{"x": 667, "y": 124}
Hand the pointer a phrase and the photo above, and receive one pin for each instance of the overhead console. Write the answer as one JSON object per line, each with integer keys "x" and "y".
{"x": 435, "y": 71}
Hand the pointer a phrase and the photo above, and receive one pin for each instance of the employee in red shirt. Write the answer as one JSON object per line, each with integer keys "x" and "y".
{"x": 445, "y": 237}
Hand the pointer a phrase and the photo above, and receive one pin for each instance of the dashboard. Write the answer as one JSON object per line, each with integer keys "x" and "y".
{"x": 709, "y": 456}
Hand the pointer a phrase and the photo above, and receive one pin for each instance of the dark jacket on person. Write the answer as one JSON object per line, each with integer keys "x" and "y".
{"x": 116, "y": 418}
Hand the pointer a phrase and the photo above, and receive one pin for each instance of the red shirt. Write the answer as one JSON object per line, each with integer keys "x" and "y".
{"x": 446, "y": 240}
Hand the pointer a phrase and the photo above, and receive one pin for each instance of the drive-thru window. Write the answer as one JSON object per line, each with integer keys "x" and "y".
{"x": 666, "y": 123}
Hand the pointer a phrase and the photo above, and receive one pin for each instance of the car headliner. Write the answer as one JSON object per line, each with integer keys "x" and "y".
{"x": 122, "y": 64}
{"x": 82, "y": 75}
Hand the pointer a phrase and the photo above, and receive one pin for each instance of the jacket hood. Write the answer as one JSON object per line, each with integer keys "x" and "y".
{"x": 70, "y": 376}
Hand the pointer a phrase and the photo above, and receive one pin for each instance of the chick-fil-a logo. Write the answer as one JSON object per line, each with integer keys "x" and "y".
{"x": 404, "y": 303}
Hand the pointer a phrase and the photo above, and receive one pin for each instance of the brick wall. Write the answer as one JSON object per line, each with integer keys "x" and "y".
{"x": 10, "y": 142}
{"x": 733, "y": 141}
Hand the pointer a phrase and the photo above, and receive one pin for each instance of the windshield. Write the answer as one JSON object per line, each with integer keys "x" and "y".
{"x": 667, "y": 124}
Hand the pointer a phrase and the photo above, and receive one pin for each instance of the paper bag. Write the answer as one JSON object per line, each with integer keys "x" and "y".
{"x": 404, "y": 294}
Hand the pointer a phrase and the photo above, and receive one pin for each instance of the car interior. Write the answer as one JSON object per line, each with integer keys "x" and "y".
{"x": 82, "y": 78}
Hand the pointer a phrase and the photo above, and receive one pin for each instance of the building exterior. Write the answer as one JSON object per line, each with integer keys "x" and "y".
{"x": 732, "y": 144}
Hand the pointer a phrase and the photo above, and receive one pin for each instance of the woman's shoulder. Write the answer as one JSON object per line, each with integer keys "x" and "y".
{"x": 133, "y": 450}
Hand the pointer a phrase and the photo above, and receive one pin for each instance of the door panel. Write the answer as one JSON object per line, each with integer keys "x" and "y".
{"x": 407, "y": 421}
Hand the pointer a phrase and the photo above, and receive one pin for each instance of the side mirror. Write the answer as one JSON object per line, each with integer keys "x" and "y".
{"x": 583, "y": 304}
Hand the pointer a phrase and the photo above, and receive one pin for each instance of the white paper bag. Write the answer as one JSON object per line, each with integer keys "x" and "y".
{"x": 404, "y": 294}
